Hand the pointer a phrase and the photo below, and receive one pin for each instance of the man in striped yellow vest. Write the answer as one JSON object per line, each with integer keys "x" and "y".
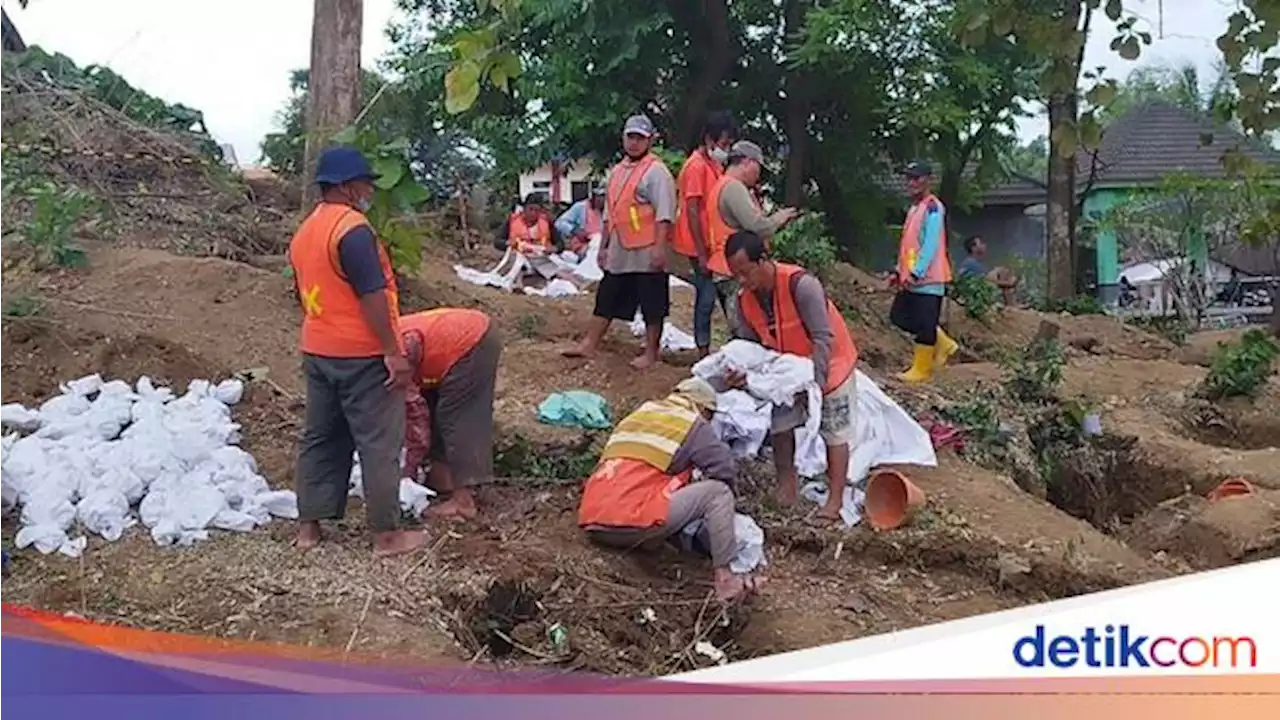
{"x": 641, "y": 491}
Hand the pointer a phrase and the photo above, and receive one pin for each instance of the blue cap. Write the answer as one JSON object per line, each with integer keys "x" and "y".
{"x": 342, "y": 164}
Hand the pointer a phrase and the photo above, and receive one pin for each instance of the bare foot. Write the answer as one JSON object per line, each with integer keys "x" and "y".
{"x": 308, "y": 535}
{"x": 579, "y": 351}
{"x": 644, "y": 362}
{"x": 398, "y": 542}
{"x": 786, "y": 494}
{"x": 730, "y": 586}
{"x": 825, "y": 517}
{"x": 459, "y": 506}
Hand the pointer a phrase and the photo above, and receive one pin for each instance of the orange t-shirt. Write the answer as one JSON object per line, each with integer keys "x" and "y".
{"x": 696, "y": 178}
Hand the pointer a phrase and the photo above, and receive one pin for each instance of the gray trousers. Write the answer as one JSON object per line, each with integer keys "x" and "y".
{"x": 710, "y": 500}
{"x": 349, "y": 408}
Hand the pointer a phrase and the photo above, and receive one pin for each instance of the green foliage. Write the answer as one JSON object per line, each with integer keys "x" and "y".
{"x": 396, "y": 193}
{"x": 976, "y": 294}
{"x": 979, "y": 417}
{"x": 519, "y": 458}
{"x": 55, "y": 211}
{"x": 23, "y": 306}
{"x": 1170, "y": 327}
{"x": 1241, "y": 368}
{"x": 109, "y": 88}
{"x": 529, "y": 325}
{"x": 1076, "y": 305}
{"x": 1034, "y": 375}
{"x": 805, "y": 242}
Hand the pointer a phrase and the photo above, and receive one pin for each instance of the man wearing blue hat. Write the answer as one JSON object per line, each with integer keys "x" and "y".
{"x": 352, "y": 357}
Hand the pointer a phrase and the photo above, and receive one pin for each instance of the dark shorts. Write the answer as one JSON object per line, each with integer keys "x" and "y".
{"x": 462, "y": 412}
{"x": 918, "y": 314}
{"x": 619, "y": 296}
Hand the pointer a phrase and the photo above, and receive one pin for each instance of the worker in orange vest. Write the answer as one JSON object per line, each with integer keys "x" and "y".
{"x": 698, "y": 175}
{"x": 733, "y": 205}
{"x": 582, "y": 220}
{"x": 529, "y": 230}
{"x": 923, "y": 271}
{"x": 640, "y": 208}
{"x": 642, "y": 491}
{"x": 786, "y": 309}
{"x": 355, "y": 367}
{"x": 454, "y": 353}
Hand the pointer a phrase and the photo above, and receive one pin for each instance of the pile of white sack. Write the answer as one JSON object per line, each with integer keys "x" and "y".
{"x": 97, "y": 450}
{"x": 884, "y": 433}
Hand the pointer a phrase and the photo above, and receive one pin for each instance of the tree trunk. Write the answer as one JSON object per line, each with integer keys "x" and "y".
{"x": 799, "y": 105}
{"x": 718, "y": 59}
{"x": 834, "y": 207}
{"x": 333, "y": 83}
{"x": 1061, "y": 203}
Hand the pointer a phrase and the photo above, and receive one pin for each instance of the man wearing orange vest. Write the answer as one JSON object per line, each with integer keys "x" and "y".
{"x": 923, "y": 271}
{"x": 642, "y": 491}
{"x": 454, "y": 353}
{"x": 354, "y": 364}
{"x": 698, "y": 175}
{"x": 733, "y": 205}
{"x": 528, "y": 230}
{"x": 786, "y": 309}
{"x": 640, "y": 208}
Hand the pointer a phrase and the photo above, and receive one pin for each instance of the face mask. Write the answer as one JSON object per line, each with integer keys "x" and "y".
{"x": 720, "y": 155}
{"x": 363, "y": 204}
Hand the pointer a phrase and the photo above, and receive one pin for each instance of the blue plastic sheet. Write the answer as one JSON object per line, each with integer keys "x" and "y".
{"x": 575, "y": 409}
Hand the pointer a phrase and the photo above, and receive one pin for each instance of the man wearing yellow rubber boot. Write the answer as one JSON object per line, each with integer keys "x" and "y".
{"x": 922, "y": 276}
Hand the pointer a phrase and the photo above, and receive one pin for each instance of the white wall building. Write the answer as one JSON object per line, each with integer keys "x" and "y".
{"x": 574, "y": 181}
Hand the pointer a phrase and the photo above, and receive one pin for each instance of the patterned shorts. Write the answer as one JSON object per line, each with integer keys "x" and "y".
{"x": 839, "y": 410}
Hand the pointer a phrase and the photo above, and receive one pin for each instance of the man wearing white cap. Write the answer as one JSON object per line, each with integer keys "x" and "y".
{"x": 640, "y": 209}
{"x": 642, "y": 492}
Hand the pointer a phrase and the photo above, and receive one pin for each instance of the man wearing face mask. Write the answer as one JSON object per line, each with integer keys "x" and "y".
{"x": 698, "y": 175}
{"x": 352, "y": 357}
{"x": 732, "y": 207}
{"x": 640, "y": 208}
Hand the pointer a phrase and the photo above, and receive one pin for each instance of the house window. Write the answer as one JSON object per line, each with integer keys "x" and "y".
{"x": 543, "y": 185}
{"x": 580, "y": 189}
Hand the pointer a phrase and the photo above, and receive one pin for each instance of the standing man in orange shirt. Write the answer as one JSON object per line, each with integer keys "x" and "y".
{"x": 354, "y": 364}
{"x": 692, "y": 237}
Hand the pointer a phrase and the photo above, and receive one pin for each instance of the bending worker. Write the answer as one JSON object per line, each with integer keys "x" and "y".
{"x": 786, "y": 309}
{"x": 582, "y": 220}
{"x": 922, "y": 276}
{"x": 454, "y": 354}
{"x": 642, "y": 492}
{"x": 355, "y": 368}
{"x": 698, "y": 175}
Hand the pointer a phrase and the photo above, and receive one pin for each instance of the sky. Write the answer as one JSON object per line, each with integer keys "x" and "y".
{"x": 232, "y": 59}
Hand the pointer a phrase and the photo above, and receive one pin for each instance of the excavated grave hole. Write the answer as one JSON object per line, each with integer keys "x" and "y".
{"x": 1240, "y": 425}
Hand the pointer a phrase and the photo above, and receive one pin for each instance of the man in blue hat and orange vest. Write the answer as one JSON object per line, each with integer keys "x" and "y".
{"x": 352, "y": 357}
{"x": 923, "y": 271}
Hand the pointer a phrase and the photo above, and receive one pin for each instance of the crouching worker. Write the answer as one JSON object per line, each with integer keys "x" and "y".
{"x": 454, "y": 355}
{"x": 642, "y": 492}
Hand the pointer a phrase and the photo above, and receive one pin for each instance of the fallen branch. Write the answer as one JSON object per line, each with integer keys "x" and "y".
{"x": 355, "y": 631}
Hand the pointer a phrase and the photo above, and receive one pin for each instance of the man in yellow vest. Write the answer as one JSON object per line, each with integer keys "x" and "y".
{"x": 640, "y": 208}
{"x": 642, "y": 492}
{"x": 923, "y": 271}
{"x": 785, "y": 309}
{"x": 353, "y": 359}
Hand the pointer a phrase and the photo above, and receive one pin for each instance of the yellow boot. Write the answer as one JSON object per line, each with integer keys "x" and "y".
{"x": 921, "y": 369}
{"x": 946, "y": 347}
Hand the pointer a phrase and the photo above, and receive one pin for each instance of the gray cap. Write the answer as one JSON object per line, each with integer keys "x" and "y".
{"x": 747, "y": 149}
{"x": 639, "y": 125}
{"x": 918, "y": 169}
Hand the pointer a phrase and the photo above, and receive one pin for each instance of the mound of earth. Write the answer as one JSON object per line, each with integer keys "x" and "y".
{"x": 489, "y": 589}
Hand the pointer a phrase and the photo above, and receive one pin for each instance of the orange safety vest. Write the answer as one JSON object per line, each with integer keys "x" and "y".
{"x": 594, "y": 224}
{"x": 719, "y": 231}
{"x": 518, "y": 233}
{"x": 791, "y": 336}
{"x": 635, "y": 221}
{"x": 333, "y": 324}
{"x": 698, "y": 163}
{"x": 447, "y": 335}
{"x": 627, "y": 493}
{"x": 939, "y": 270}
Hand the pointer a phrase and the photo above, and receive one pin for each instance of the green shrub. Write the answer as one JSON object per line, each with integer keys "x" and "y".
{"x": 975, "y": 294}
{"x": 1241, "y": 368}
{"x": 805, "y": 242}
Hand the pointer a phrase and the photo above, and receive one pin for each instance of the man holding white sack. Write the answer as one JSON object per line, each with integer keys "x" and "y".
{"x": 582, "y": 221}
{"x": 785, "y": 309}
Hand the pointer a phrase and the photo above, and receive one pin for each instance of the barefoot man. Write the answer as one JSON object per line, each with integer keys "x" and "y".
{"x": 786, "y": 309}
{"x": 642, "y": 491}
{"x": 454, "y": 354}
{"x": 640, "y": 207}
{"x": 354, "y": 364}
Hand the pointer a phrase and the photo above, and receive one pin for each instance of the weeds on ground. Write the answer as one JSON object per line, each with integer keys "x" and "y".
{"x": 54, "y": 215}
{"x": 1034, "y": 376}
{"x": 520, "y": 459}
{"x": 1171, "y": 328}
{"x": 975, "y": 294}
{"x": 1241, "y": 368}
{"x": 1077, "y": 305}
{"x": 529, "y": 325}
{"x": 22, "y": 306}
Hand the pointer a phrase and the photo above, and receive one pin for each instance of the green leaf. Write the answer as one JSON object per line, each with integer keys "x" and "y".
{"x": 1102, "y": 94}
{"x": 505, "y": 66}
{"x": 1113, "y": 9}
{"x": 461, "y": 87}
{"x": 1090, "y": 131}
{"x": 346, "y": 136}
{"x": 1146, "y": 37}
{"x": 1064, "y": 138}
{"x": 390, "y": 170}
{"x": 408, "y": 195}
{"x": 1130, "y": 49}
